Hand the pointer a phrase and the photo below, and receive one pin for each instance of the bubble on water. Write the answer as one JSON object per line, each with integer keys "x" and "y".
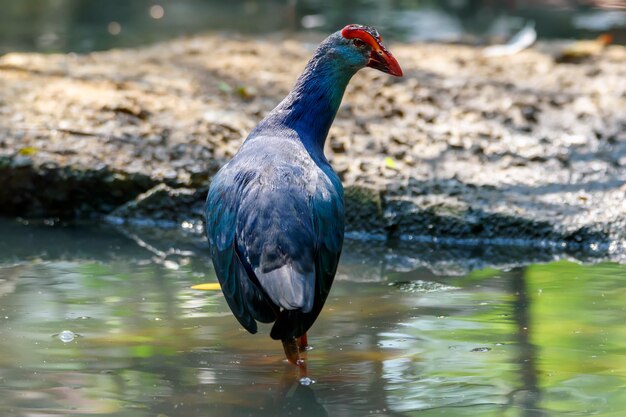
{"x": 157, "y": 11}
{"x": 306, "y": 381}
{"x": 67, "y": 336}
{"x": 114, "y": 28}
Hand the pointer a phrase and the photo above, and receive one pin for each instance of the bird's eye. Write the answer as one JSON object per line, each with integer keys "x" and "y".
{"x": 358, "y": 43}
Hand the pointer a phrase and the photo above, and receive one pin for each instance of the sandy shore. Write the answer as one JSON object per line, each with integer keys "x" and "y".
{"x": 520, "y": 149}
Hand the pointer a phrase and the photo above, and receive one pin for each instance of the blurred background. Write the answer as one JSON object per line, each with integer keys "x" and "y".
{"x": 83, "y": 26}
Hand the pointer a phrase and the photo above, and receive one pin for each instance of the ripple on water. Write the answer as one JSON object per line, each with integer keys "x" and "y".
{"x": 420, "y": 286}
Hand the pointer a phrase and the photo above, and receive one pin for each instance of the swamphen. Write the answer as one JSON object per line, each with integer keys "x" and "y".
{"x": 275, "y": 212}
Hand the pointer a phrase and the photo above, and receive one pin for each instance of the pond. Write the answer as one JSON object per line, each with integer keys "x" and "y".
{"x": 95, "y": 321}
{"x": 83, "y": 26}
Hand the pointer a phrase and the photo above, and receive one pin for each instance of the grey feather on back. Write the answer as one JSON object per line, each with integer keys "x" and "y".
{"x": 288, "y": 288}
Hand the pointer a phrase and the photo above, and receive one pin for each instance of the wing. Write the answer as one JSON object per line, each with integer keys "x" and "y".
{"x": 313, "y": 256}
{"x": 244, "y": 299}
{"x": 276, "y": 235}
{"x": 329, "y": 215}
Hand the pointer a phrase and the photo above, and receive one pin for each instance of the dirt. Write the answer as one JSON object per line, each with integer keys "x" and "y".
{"x": 520, "y": 150}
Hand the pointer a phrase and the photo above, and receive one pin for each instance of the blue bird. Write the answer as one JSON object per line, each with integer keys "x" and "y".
{"x": 275, "y": 212}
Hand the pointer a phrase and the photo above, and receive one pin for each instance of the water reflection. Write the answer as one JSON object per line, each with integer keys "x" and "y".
{"x": 529, "y": 395}
{"x": 532, "y": 341}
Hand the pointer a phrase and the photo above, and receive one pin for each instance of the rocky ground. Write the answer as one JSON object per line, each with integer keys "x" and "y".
{"x": 518, "y": 150}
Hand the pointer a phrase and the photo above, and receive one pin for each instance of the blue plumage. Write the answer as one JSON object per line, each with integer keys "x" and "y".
{"x": 273, "y": 215}
{"x": 275, "y": 212}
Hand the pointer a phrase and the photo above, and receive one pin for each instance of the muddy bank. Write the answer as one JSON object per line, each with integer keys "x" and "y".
{"x": 521, "y": 149}
{"x": 31, "y": 242}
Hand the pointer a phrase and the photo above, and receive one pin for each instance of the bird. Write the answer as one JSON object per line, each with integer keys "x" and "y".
{"x": 274, "y": 214}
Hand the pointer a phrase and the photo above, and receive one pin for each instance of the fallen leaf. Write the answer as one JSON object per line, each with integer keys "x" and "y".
{"x": 28, "y": 151}
{"x": 211, "y": 286}
{"x": 390, "y": 163}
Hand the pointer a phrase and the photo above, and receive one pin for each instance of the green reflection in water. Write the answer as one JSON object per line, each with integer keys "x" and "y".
{"x": 543, "y": 340}
{"x": 579, "y": 328}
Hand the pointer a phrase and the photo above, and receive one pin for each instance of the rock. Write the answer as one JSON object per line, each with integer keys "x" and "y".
{"x": 364, "y": 211}
{"x": 45, "y": 189}
{"x": 162, "y": 206}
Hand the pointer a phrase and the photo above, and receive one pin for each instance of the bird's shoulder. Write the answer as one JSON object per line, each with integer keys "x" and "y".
{"x": 272, "y": 163}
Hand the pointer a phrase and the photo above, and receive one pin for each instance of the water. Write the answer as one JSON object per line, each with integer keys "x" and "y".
{"x": 395, "y": 339}
{"x": 83, "y": 26}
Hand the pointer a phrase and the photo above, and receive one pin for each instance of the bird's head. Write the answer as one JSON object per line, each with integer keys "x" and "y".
{"x": 362, "y": 46}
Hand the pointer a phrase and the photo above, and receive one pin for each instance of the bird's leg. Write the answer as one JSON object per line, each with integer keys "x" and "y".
{"x": 292, "y": 352}
{"x": 303, "y": 343}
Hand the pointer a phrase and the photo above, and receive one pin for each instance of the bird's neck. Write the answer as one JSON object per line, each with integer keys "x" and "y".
{"x": 310, "y": 108}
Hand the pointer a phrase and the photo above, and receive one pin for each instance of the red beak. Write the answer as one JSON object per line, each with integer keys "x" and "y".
{"x": 382, "y": 60}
